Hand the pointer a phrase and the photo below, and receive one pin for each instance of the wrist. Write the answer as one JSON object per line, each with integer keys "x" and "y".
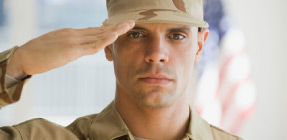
{"x": 14, "y": 68}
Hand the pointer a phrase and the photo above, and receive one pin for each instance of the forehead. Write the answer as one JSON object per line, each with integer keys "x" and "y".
{"x": 164, "y": 27}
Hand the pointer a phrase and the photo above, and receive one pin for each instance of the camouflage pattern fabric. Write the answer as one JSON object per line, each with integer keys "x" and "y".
{"x": 11, "y": 94}
{"x": 186, "y": 12}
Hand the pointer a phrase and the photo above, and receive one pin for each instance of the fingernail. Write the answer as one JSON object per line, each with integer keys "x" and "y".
{"x": 131, "y": 22}
{"x": 123, "y": 24}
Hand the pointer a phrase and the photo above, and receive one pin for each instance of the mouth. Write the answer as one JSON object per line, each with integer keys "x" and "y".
{"x": 155, "y": 79}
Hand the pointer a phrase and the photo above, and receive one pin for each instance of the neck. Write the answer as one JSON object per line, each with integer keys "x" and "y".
{"x": 167, "y": 123}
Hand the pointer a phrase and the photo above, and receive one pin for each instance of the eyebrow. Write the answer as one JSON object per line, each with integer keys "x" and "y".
{"x": 176, "y": 29}
{"x": 139, "y": 28}
{"x": 179, "y": 29}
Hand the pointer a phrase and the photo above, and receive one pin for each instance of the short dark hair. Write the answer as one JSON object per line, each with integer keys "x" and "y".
{"x": 200, "y": 29}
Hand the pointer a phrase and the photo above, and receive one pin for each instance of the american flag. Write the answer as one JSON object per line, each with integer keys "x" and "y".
{"x": 225, "y": 92}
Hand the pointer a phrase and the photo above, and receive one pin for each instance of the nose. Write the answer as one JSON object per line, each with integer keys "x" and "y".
{"x": 156, "y": 51}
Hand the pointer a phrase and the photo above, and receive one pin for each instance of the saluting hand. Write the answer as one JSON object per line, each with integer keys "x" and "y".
{"x": 60, "y": 47}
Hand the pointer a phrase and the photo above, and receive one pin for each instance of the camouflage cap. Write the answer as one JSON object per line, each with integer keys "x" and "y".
{"x": 187, "y": 12}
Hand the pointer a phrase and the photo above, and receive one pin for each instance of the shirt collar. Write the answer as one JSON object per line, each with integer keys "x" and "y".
{"x": 199, "y": 129}
{"x": 108, "y": 125}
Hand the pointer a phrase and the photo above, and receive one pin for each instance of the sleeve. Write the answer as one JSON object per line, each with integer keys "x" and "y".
{"x": 36, "y": 129}
{"x": 10, "y": 81}
{"x": 9, "y": 133}
{"x": 13, "y": 93}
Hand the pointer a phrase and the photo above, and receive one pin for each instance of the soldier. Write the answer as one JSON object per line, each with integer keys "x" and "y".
{"x": 153, "y": 44}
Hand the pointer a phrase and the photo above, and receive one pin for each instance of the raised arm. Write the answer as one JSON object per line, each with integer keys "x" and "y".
{"x": 53, "y": 50}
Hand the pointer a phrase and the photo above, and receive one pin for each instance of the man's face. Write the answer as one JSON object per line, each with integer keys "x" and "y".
{"x": 153, "y": 62}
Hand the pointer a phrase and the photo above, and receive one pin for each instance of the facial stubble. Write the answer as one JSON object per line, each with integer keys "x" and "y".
{"x": 153, "y": 96}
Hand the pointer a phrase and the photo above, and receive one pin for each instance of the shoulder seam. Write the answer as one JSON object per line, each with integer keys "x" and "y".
{"x": 223, "y": 131}
{"x": 35, "y": 119}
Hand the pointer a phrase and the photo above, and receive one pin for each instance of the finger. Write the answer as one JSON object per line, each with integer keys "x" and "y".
{"x": 88, "y": 39}
{"x": 123, "y": 28}
{"x": 105, "y": 28}
{"x": 93, "y": 30}
{"x": 99, "y": 44}
{"x": 93, "y": 38}
{"x": 118, "y": 29}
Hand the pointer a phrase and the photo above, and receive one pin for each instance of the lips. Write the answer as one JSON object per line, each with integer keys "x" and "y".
{"x": 155, "y": 79}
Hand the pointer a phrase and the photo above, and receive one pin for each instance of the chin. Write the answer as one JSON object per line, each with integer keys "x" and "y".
{"x": 155, "y": 98}
{"x": 155, "y": 105}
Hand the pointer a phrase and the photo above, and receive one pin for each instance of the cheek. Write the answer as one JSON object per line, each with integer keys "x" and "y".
{"x": 121, "y": 63}
{"x": 126, "y": 60}
{"x": 184, "y": 63}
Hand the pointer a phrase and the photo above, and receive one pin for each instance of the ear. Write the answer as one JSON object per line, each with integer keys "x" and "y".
{"x": 202, "y": 36}
{"x": 108, "y": 52}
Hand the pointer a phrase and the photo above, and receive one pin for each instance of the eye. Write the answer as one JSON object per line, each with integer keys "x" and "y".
{"x": 177, "y": 36}
{"x": 135, "y": 35}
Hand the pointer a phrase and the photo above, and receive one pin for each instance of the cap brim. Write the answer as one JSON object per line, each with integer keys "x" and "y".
{"x": 174, "y": 17}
